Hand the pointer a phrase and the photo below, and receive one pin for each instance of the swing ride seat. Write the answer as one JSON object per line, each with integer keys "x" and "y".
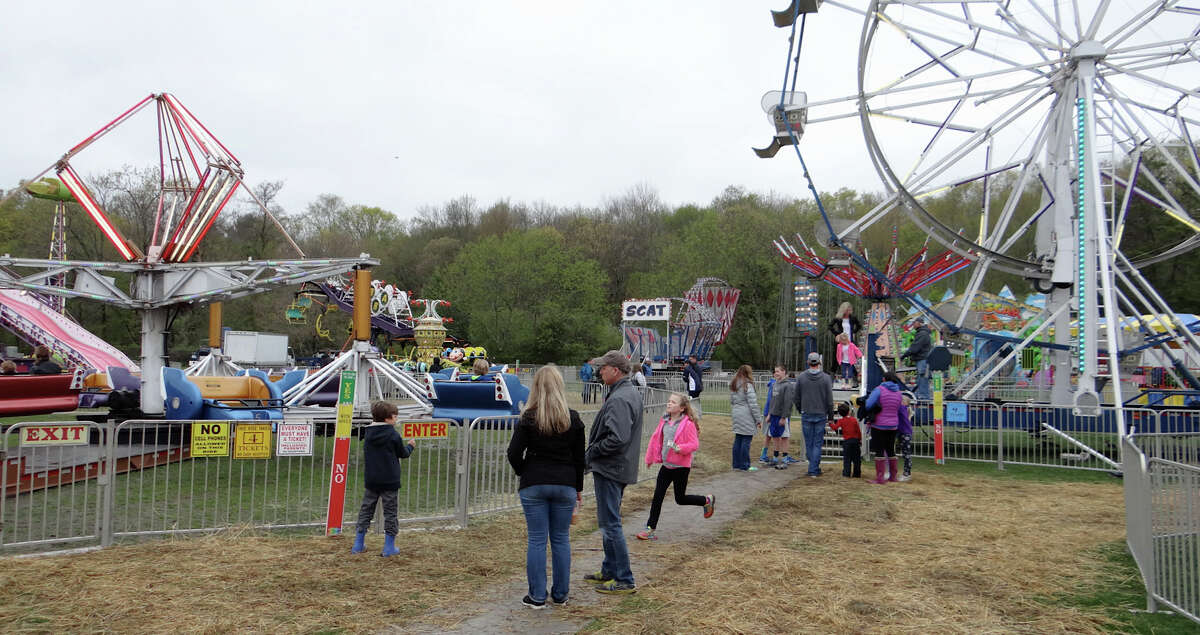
{"x": 245, "y": 397}
{"x": 295, "y": 315}
{"x": 787, "y": 17}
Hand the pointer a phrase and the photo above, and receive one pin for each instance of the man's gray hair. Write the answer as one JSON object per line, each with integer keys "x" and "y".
{"x": 616, "y": 359}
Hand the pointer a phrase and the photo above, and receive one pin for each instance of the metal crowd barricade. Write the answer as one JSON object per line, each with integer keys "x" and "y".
{"x": 53, "y": 495}
{"x": 1162, "y": 518}
{"x": 979, "y": 438}
{"x": 1039, "y": 434}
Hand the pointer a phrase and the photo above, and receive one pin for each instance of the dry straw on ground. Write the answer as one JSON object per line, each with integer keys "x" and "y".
{"x": 957, "y": 553}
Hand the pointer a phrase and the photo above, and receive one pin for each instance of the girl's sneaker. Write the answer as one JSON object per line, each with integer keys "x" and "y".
{"x": 648, "y": 533}
{"x": 710, "y": 505}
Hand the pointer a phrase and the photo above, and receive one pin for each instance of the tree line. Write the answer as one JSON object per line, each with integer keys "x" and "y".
{"x": 528, "y": 281}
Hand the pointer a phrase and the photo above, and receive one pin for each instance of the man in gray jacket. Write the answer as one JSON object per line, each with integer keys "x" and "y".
{"x": 814, "y": 401}
{"x": 613, "y": 454}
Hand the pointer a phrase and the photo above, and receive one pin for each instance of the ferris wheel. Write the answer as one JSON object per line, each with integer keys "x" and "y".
{"x": 1067, "y": 129}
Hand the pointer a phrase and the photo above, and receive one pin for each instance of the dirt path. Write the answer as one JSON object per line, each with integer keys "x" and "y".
{"x": 501, "y": 611}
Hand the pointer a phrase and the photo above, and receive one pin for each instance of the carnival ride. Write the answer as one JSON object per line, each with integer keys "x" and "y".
{"x": 700, "y": 322}
{"x": 1086, "y": 109}
{"x": 198, "y": 178}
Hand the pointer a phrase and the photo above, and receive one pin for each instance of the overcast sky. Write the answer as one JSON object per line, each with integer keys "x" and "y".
{"x": 407, "y": 104}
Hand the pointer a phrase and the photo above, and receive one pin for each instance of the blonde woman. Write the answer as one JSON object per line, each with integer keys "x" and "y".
{"x": 743, "y": 408}
{"x": 547, "y": 454}
{"x": 844, "y": 321}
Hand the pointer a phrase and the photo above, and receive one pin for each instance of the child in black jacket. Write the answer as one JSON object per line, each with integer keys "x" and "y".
{"x": 382, "y": 447}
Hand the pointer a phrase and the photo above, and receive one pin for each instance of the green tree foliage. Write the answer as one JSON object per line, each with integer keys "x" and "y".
{"x": 543, "y": 283}
{"x": 526, "y": 295}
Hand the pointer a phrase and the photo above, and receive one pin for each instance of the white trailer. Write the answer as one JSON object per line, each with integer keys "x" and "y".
{"x": 251, "y": 348}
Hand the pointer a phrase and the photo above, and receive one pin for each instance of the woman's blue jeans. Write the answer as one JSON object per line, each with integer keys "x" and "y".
{"x": 548, "y": 511}
{"x": 741, "y": 451}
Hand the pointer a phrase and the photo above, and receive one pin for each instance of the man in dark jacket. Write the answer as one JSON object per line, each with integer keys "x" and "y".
{"x": 613, "y": 452}
{"x": 814, "y": 401}
{"x": 918, "y": 352}
{"x": 383, "y": 448}
{"x": 693, "y": 382}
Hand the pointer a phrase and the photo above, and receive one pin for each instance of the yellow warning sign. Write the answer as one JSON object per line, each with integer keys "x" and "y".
{"x": 252, "y": 441}
{"x": 210, "y": 438}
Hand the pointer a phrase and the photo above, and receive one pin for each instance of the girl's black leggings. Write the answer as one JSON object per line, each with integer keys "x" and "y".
{"x": 677, "y": 476}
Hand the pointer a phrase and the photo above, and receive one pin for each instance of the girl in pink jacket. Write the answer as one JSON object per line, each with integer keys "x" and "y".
{"x": 673, "y": 443}
{"x": 847, "y": 355}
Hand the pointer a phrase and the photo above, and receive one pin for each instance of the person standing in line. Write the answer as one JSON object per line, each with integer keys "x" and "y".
{"x": 638, "y": 379}
{"x": 847, "y": 356}
{"x": 546, "y": 452}
{"x": 884, "y": 425}
{"x": 43, "y": 364}
{"x": 844, "y": 321}
{"x": 918, "y": 352}
{"x": 766, "y": 412}
{"x": 673, "y": 443}
{"x": 586, "y": 374}
{"x": 693, "y": 382}
{"x": 814, "y": 402}
{"x": 612, "y": 457}
{"x": 851, "y": 441}
{"x": 743, "y": 409}
{"x": 382, "y": 449}
{"x": 777, "y": 421}
{"x": 904, "y": 434}
{"x": 646, "y": 369}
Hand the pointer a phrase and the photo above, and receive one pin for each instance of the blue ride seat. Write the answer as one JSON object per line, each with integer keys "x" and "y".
{"x": 184, "y": 399}
{"x": 468, "y": 400}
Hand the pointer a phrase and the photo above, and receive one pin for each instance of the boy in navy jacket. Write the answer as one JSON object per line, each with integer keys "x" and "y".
{"x": 382, "y": 449}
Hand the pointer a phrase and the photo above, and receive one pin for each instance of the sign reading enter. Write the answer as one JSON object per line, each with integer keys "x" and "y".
{"x": 424, "y": 429}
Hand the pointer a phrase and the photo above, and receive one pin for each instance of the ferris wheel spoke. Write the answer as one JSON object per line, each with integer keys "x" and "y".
{"x": 1014, "y": 195}
{"x": 1053, "y": 24}
{"x": 951, "y": 81}
{"x": 909, "y": 30}
{"x": 985, "y": 131}
{"x": 1117, "y": 69}
{"x": 974, "y": 25}
{"x": 1024, "y": 32}
{"x": 871, "y": 217}
{"x": 1097, "y": 19}
{"x": 1153, "y": 139}
{"x": 1132, "y": 26}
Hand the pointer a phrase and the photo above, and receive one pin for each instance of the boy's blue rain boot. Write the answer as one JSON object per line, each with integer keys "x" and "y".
{"x": 389, "y": 546}
{"x": 359, "y": 543}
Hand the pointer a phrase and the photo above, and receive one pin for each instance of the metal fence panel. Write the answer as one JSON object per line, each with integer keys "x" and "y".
{"x": 976, "y": 439}
{"x": 52, "y": 494}
{"x": 1175, "y": 518}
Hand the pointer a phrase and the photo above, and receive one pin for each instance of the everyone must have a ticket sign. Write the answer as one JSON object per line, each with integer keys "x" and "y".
{"x": 294, "y": 439}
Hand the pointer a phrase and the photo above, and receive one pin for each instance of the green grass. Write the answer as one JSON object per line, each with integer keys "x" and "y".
{"x": 1120, "y": 594}
{"x": 1033, "y": 473}
{"x": 220, "y": 491}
